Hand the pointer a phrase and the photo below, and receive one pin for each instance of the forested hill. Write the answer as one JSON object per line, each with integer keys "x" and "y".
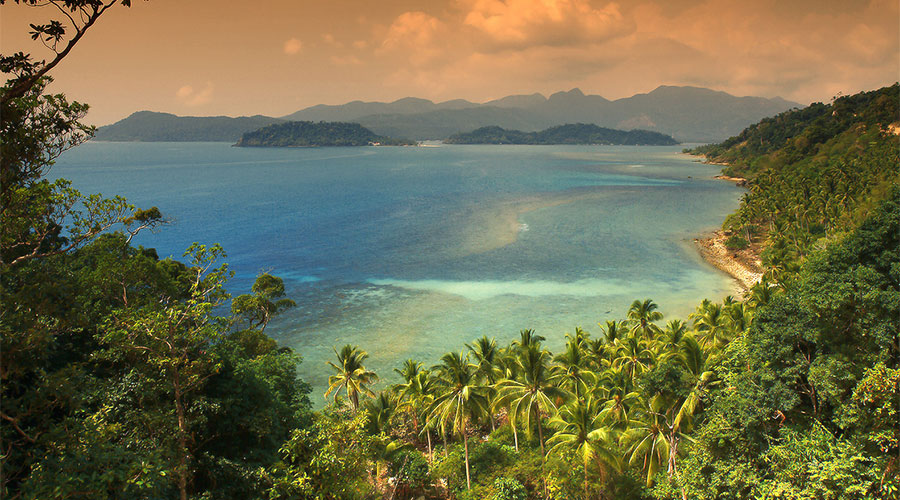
{"x": 307, "y": 134}
{"x": 573, "y": 133}
{"x": 812, "y": 173}
{"x": 793, "y": 135}
{"x": 149, "y": 126}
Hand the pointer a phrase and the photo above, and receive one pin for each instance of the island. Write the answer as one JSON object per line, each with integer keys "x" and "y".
{"x": 573, "y": 133}
{"x": 311, "y": 134}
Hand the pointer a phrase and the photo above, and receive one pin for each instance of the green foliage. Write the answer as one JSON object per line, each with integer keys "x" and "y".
{"x": 508, "y": 489}
{"x": 736, "y": 242}
{"x": 327, "y": 460}
{"x": 304, "y": 134}
{"x": 267, "y": 301}
{"x": 578, "y": 133}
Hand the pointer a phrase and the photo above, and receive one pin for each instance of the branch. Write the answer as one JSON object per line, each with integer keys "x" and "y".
{"x": 22, "y": 86}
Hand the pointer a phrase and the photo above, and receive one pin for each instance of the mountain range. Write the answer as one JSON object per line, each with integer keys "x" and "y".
{"x": 689, "y": 114}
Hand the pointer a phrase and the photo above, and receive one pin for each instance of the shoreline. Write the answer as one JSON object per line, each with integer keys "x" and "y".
{"x": 743, "y": 266}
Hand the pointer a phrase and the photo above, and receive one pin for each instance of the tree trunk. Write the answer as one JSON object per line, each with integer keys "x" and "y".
{"x": 444, "y": 435}
{"x": 586, "y": 476}
{"x": 430, "y": 452}
{"x": 466, "y": 446}
{"x": 515, "y": 434}
{"x": 354, "y": 398}
{"x": 540, "y": 431}
{"x": 182, "y": 437}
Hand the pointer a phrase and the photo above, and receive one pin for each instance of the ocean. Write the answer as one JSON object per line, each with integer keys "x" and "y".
{"x": 410, "y": 252}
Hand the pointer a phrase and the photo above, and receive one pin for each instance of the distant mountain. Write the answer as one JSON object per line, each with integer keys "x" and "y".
{"x": 573, "y": 133}
{"x": 149, "y": 126}
{"x": 689, "y": 114}
{"x": 307, "y": 134}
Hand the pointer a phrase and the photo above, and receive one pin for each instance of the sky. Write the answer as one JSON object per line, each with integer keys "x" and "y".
{"x": 274, "y": 57}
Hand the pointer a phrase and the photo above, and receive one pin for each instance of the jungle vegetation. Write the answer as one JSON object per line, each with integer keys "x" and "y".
{"x": 309, "y": 134}
{"x": 572, "y": 133}
{"x": 129, "y": 376}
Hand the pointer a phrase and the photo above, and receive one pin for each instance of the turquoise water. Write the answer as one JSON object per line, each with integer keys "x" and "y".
{"x": 411, "y": 252}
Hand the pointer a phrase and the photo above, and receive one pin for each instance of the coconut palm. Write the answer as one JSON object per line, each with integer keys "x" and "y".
{"x": 641, "y": 316}
{"x": 533, "y": 392}
{"x": 619, "y": 398}
{"x": 634, "y": 357}
{"x": 710, "y": 323}
{"x": 646, "y": 441}
{"x": 672, "y": 335}
{"x": 380, "y": 409}
{"x": 486, "y": 355}
{"x": 572, "y": 367}
{"x": 350, "y": 374}
{"x": 416, "y": 397}
{"x": 739, "y": 316}
{"x": 460, "y": 399}
{"x": 527, "y": 338}
{"x": 579, "y": 428}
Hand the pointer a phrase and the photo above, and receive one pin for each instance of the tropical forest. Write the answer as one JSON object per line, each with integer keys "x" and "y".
{"x": 130, "y": 376}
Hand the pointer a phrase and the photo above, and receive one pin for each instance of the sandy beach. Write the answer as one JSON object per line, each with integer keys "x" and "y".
{"x": 744, "y": 266}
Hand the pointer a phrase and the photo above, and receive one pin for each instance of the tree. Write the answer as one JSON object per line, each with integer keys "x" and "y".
{"x": 533, "y": 393}
{"x": 486, "y": 355}
{"x": 579, "y": 428}
{"x": 642, "y": 316}
{"x": 459, "y": 400}
{"x": 351, "y": 375}
{"x": 168, "y": 340}
{"x": 267, "y": 301}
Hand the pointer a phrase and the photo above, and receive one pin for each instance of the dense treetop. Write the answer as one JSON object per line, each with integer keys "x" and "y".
{"x": 307, "y": 134}
{"x": 577, "y": 133}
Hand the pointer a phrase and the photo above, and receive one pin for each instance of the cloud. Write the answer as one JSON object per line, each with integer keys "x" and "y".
{"x": 422, "y": 38}
{"x": 514, "y": 24}
{"x": 189, "y": 97}
{"x": 292, "y": 46}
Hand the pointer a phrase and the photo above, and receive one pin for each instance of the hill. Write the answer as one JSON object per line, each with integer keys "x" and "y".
{"x": 150, "y": 126}
{"x": 689, "y": 114}
{"x": 812, "y": 174}
{"x": 578, "y": 133}
{"x": 308, "y": 134}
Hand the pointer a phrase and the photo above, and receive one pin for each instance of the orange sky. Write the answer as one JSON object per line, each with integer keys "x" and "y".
{"x": 209, "y": 57}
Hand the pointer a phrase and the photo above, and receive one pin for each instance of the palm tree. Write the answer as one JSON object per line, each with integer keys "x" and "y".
{"x": 642, "y": 315}
{"x": 416, "y": 397}
{"x": 709, "y": 321}
{"x": 739, "y": 317}
{"x": 351, "y": 375}
{"x": 533, "y": 392}
{"x": 380, "y": 409}
{"x": 527, "y": 338}
{"x": 672, "y": 335}
{"x": 646, "y": 441}
{"x": 459, "y": 400}
{"x": 486, "y": 355}
{"x": 579, "y": 428}
{"x": 573, "y": 364}
{"x": 634, "y": 357}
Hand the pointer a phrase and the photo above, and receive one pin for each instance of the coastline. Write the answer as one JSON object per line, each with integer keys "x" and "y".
{"x": 744, "y": 266}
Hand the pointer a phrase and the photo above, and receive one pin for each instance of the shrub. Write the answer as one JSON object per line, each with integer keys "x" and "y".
{"x": 509, "y": 489}
{"x": 736, "y": 242}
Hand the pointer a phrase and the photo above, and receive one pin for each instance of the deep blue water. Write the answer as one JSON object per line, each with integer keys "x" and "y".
{"x": 410, "y": 252}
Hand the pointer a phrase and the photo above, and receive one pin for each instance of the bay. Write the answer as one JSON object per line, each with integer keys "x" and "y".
{"x": 412, "y": 252}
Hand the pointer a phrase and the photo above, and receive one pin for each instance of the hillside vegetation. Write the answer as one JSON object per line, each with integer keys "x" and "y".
{"x": 307, "y": 134}
{"x": 577, "y": 133}
{"x": 129, "y": 376}
{"x": 812, "y": 173}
